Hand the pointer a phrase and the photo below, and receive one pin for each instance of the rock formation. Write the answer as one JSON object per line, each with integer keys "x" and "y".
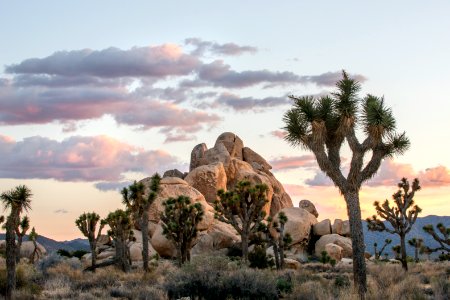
{"x": 221, "y": 167}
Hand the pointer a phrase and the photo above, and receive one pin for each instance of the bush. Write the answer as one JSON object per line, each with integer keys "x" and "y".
{"x": 64, "y": 252}
{"x": 79, "y": 253}
{"x": 342, "y": 281}
{"x": 211, "y": 278}
{"x": 259, "y": 259}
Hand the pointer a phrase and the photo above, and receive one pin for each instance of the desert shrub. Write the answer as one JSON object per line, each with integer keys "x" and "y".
{"x": 258, "y": 258}
{"x": 234, "y": 251}
{"x": 27, "y": 280}
{"x": 79, "y": 253}
{"x": 285, "y": 283}
{"x": 341, "y": 281}
{"x": 311, "y": 290}
{"x": 441, "y": 287}
{"x": 64, "y": 252}
{"x": 47, "y": 262}
{"x": 210, "y": 278}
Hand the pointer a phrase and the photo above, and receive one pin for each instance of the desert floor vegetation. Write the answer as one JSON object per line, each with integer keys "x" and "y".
{"x": 220, "y": 277}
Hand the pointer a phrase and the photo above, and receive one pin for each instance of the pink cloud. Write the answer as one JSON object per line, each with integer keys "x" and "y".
{"x": 278, "y": 133}
{"x": 77, "y": 158}
{"x": 293, "y": 162}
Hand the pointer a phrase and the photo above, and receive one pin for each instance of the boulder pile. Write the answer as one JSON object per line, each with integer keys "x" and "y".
{"x": 221, "y": 167}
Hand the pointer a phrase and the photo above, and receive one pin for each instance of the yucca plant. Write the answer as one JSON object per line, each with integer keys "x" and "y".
{"x": 242, "y": 208}
{"x": 180, "y": 220}
{"x": 322, "y": 125}
{"x": 121, "y": 231}
{"x": 17, "y": 200}
{"x": 379, "y": 254}
{"x": 417, "y": 244}
{"x": 21, "y": 231}
{"x": 401, "y": 216}
{"x": 87, "y": 224}
{"x": 36, "y": 252}
{"x": 138, "y": 204}
{"x": 442, "y": 236}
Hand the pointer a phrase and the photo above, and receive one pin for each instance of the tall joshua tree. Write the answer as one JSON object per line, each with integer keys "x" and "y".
{"x": 17, "y": 200}
{"x": 136, "y": 201}
{"x": 242, "y": 209}
{"x": 401, "y": 216}
{"x": 180, "y": 219}
{"x": 417, "y": 243}
{"x": 323, "y": 125}
{"x": 87, "y": 223}
{"x": 442, "y": 236}
{"x": 121, "y": 231}
{"x": 21, "y": 230}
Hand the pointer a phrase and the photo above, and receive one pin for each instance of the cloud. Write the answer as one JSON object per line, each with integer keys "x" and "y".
{"x": 278, "y": 133}
{"x": 219, "y": 74}
{"x": 98, "y": 158}
{"x": 61, "y": 211}
{"x": 330, "y": 78}
{"x": 390, "y": 173}
{"x": 152, "y": 61}
{"x": 292, "y": 162}
{"x": 238, "y": 103}
{"x": 32, "y": 105}
{"x": 230, "y": 49}
{"x": 112, "y": 186}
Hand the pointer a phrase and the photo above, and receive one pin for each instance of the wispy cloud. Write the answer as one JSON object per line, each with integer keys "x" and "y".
{"x": 293, "y": 162}
{"x": 77, "y": 158}
{"x": 61, "y": 211}
{"x": 230, "y": 49}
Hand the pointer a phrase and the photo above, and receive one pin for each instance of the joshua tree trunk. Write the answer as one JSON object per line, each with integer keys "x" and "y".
{"x": 416, "y": 254}
{"x": 403, "y": 249}
{"x": 122, "y": 255}
{"x": 356, "y": 231}
{"x": 281, "y": 251}
{"x": 244, "y": 245}
{"x": 11, "y": 249}
{"x": 93, "y": 255}
{"x": 19, "y": 244}
{"x": 277, "y": 256}
{"x": 144, "y": 228}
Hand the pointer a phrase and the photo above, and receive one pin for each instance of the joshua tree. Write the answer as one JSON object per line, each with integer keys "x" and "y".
{"x": 242, "y": 209}
{"x": 443, "y": 240}
{"x": 417, "y": 244}
{"x": 325, "y": 259}
{"x": 21, "y": 230}
{"x": 180, "y": 219}
{"x": 36, "y": 252}
{"x": 136, "y": 201}
{"x": 401, "y": 217}
{"x": 322, "y": 125}
{"x": 378, "y": 254}
{"x": 121, "y": 231}
{"x": 87, "y": 223}
{"x": 276, "y": 237}
{"x": 17, "y": 200}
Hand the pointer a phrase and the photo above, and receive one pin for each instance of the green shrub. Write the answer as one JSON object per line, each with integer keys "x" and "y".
{"x": 64, "y": 252}
{"x": 259, "y": 259}
{"x": 342, "y": 281}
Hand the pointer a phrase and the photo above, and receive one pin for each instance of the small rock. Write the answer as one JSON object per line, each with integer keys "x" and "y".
{"x": 308, "y": 206}
{"x": 173, "y": 173}
{"x": 322, "y": 228}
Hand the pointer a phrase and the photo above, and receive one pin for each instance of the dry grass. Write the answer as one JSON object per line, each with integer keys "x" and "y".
{"x": 218, "y": 275}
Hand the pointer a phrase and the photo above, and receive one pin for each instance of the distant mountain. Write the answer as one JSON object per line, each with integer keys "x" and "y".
{"x": 371, "y": 237}
{"x": 52, "y": 246}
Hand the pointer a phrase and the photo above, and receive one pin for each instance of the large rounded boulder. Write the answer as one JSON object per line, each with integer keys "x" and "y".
{"x": 298, "y": 225}
{"x": 344, "y": 242}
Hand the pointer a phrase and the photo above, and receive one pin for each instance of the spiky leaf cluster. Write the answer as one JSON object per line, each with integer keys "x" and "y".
{"x": 441, "y": 235}
{"x": 242, "y": 206}
{"x": 33, "y": 235}
{"x": 120, "y": 224}
{"x": 135, "y": 199}
{"x": 180, "y": 219}
{"x": 322, "y": 124}
{"x": 87, "y": 224}
{"x": 18, "y": 198}
{"x": 402, "y": 215}
{"x": 416, "y": 242}
{"x": 23, "y": 227}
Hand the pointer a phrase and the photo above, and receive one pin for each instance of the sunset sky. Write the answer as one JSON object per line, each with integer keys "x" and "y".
{"x": 94, "y": 94}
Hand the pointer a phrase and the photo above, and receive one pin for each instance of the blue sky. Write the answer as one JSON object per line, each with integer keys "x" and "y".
{"x": 400, "y": 49}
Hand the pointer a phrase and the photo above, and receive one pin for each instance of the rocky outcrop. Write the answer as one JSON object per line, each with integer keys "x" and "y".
{"x": 344, "y": 242}
{"x": 255, "y": 160}
{"x": 232, "y": 143}
{"x": 27, "y": 249}
{"x": 298, "y": 226}
{"x": 173, "y": 173}
{"x": 334, "y": 251}
{"x": 208, "y": 179}
{"x": 308, "y": 206}
{"x": 322, "y": 228}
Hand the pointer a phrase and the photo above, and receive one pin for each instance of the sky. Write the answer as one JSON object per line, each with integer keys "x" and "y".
{"x": 95, "y": 94}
